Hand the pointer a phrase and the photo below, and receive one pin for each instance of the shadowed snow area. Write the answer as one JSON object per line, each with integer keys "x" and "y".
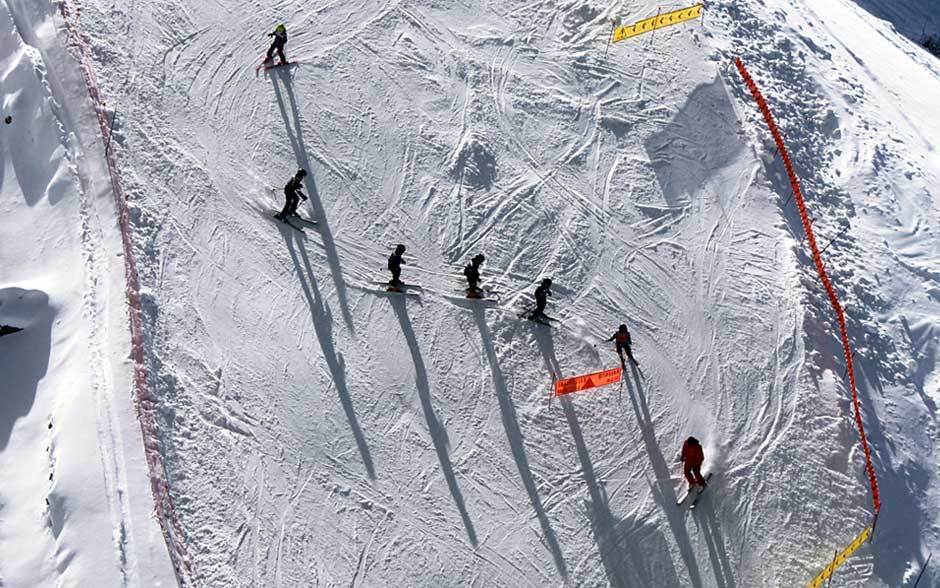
{"x": 911, "y": 18}
{"x": 319, "y": 431}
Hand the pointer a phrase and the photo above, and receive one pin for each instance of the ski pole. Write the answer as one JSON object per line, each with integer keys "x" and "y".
{"x": 922, "y": 570}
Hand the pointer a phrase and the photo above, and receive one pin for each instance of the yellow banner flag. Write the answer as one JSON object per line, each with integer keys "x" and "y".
{"x": 657, "y": 22}
{"x": 840, "y": 559}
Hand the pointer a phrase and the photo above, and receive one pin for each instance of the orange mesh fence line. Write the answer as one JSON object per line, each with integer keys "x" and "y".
{"x": 820, "y": 269}
{"x": 587, "y": 381}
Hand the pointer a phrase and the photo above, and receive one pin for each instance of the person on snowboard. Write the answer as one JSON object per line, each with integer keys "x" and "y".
{"x": 394, "y": 265}
{"x": 541, "y": 299}
{"x": 280, "y": 39}
{"x": 472, "y": 272}
{"x": 622, "y": 337}
{"x": 293, "y": 194}
{"x": 692, "y": 457}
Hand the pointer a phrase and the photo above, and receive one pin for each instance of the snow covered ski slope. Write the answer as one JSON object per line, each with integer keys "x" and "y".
{"x": 316, "y": 431}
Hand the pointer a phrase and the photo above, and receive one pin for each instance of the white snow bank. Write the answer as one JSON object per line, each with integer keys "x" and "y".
{"x": 75, "y": 505}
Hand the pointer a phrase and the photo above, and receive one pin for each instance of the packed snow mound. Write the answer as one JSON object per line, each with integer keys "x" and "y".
{"x": 319, "y": 430}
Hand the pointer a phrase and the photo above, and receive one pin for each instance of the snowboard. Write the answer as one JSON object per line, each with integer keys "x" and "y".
{"x": 269, "y": 65}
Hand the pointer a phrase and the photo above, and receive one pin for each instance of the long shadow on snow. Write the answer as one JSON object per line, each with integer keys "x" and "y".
{"x": 663, "y": 492}
{"x": 319, "y": 213}
{"x": 322, "y": 324}
{"x": 647, "y": 554}
{"x": 514, "y": 436}
{"x": 436, "y": 428}
{"x": 717, "y": 553}
{"x": 24, "y": 356}
{"x": 612, "y": 543}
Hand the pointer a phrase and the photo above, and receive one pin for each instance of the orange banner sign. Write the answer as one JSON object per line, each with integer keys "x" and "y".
{"x": 587, "y": 381}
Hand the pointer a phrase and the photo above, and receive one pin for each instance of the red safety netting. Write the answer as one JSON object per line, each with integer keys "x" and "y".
{"x": 820, "y": 269}
{"x": 146, "y": 404}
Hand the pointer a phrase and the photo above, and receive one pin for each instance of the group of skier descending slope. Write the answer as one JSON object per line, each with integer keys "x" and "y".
{"x": 692, "y": 455}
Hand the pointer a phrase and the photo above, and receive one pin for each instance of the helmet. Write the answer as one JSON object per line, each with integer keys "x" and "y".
{"x": 280, "y": 29}
{"x": 302, "y": 172}
{"x": 623, "y": 327}
{"x": 479, "y": 258}
{"x": 547, "y": 282}
{"x": 692, "y": 441}
{"x": 400, "y": 249}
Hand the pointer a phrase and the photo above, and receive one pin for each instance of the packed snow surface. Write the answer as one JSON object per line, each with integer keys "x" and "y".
{"x": 320, "y": 432}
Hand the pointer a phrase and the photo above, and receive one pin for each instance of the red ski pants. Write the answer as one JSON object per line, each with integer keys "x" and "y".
{"x": 693, "y": 474}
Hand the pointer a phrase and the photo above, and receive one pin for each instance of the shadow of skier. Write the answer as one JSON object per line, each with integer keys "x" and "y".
{"x": 663, "y": 491}
{"x": 322, "y": 324}
{"x": 717, "y": 553}
{"x": 624, "y": 566}
{"x": 514, "y": 436}
{"x": 319, "y": 213}
{"x": 616, "y": 547}
{"x": 435, "y": 427}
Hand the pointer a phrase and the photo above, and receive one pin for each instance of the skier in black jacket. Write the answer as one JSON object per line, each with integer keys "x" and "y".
{"x": 394, "y": 265}
{"x": 472, "y": 272}
{"x": 293, "y": 194}
{"x": 541, "y": 298}
{"x": 280, "y": 39}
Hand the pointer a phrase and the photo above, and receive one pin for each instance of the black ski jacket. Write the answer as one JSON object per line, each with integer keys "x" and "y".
{"x": 542, "y": 293}
{"x": 472, "y": 273}
{"x": 279, "y": 39}
{"x": 294, "y": 186}
{"x": 394, "y": 262}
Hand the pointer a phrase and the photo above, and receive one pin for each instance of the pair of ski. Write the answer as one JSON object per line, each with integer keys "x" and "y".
{"x": 287, "y": 221}
{"x": 481, "y": 296}
{"x": 695, "y": 493}
{"x": 401, "y": 289}
{"x": 544, "y": 319}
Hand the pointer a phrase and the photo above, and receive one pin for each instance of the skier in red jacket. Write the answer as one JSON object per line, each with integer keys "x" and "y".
{"x": 622, "y": 336}
{"x": 692, "y": 457}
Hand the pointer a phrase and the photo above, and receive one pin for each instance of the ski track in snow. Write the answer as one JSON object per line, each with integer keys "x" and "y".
{"x": 316, "y": 433}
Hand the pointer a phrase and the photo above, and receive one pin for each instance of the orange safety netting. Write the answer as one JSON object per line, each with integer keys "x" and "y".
{"x": 587, "y": 381}
{"x": 820, "y": 269}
